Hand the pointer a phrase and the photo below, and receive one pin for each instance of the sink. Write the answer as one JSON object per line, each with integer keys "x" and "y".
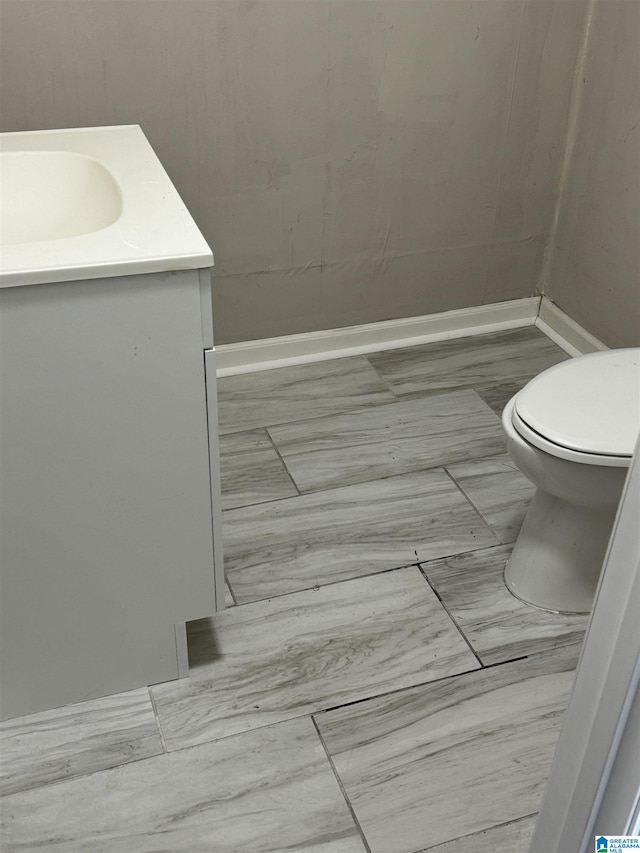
{"x": 89, "y": 203}
{"x": 50, "y": 195}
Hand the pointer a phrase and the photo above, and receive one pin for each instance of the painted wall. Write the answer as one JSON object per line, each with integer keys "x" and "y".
{"x": 594, "y": 273}
{"x": 348, "y": 160}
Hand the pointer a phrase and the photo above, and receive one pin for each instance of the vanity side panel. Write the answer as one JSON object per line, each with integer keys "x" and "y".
{"x": 214, "y": 465}
{"x": 105, "y": 502}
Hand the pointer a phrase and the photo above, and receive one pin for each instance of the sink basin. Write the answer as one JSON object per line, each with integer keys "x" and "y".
{"x": 49, "y": 195}
{"x": 89, "y": 203}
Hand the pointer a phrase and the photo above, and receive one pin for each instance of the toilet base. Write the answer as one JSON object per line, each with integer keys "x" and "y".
{"x": 558, "y": 556}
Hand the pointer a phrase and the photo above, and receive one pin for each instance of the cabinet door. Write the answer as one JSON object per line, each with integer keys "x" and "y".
{"x": 214, "y": 466}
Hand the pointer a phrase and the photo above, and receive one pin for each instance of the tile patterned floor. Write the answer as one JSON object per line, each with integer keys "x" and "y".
{"x": 300, "y": 543}
{"x": 452, "y": 758}
{"x": 372, "y": 685}
{"x": 391, "y": 439}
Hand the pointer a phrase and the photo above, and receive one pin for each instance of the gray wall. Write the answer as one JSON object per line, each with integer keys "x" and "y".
{"x": 595, "y": 265}
{"x": 348, "y": 160}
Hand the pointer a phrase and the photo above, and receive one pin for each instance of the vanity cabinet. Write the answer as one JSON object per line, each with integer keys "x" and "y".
{"x": 110, "y": 533}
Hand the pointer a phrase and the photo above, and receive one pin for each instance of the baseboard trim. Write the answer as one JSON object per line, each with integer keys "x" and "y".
{"x": 252, "y": 356}
{"x": 573, "y": 338}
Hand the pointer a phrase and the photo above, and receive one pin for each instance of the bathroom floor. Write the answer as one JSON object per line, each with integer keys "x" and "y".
{"x": 372, "y": 685}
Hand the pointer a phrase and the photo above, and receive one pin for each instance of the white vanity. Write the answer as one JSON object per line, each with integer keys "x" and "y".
{"x": 110, "y": 535}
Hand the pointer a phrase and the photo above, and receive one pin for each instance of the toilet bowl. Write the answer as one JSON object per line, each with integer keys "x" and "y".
{"x": 571, "y": 431}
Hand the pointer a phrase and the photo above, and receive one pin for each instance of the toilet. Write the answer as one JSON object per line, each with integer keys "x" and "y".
{"x": 571, "y": 431}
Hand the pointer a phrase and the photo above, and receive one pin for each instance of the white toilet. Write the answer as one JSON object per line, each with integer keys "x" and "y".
{"x": 572, "y": 431}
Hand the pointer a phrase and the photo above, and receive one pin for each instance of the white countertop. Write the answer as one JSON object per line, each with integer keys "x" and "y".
{"x": 153, "y": 233}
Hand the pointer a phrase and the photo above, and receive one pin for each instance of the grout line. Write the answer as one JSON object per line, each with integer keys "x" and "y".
{"x": 264, "y": 503}
{"x": 385, "y": 382}
{"x": 233, "y": 595}
{"x": 416, "y": 564}
{"x": 157, "y": 719}
{"x": 468, "y": 499}
{"x": 449, "y": 614}
{"x": 341, "y": 786}
{"x": 82, "y": 774}
{"x": 334, "y": 487}
{"x": 317, "y": 586}
{"x": 348, "y": 409}
{"x": 397, "y": 690}
{"x": 281, "y": 458}
{"x": 442, "y": 845}
{"x": 497, "y": 663}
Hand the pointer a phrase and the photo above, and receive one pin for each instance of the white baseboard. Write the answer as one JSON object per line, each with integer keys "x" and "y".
{"x": 251, "y": 356}
{"x": 564, "y": 331}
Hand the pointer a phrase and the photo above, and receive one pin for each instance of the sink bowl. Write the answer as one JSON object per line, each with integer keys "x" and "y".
{"x": 49, "y": 195}
{"x": 89, "y": 203}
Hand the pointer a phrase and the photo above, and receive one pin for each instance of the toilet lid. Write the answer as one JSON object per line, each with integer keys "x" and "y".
{"x": 589, "y": 405}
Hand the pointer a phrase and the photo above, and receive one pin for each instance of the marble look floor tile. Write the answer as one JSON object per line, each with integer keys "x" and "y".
{"x": 275, "y": 660}
{"x": 498, "y": 490}
{"x": 319, "y": 538}
{"x": 265, "y": 791}
{"x": 480, "y": 361}
{"x": 497, "y": 624}
{"x": 389, "y": 439}
{"x": 251, "y": 470}
{"x": 52, "y": 745}
{"x": 297, "y": 393}
{"x": 450, "y": 759}
{"x": 512, "y": 837}
{"x": 497, "y": 396}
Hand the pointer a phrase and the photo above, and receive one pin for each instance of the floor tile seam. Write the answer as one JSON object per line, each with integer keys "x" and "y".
{"x": 493, "y": 532}
{"x": 475, "y": 384}
{"x": 470, "y": 835}
{"x": 156, "y": 717}
{"x": 486, "y": 664}
{"x": 531, "y": 656}
{"x": 323, "y": 710}
{"x": 536, "y": 653}
{"x": 265, "y": 502}
{"x": 382, "y": 379}
{"x": 317, "y": 587}
{"x": 358, "y": 482}
{"x": 451, "y": 617}
{"x": 153, "y": 757}
{"x": 405, "y": 689}
{"x": 333, "y": 488}
{"x": 84, "y": 774}
{"x": 493, "y": 546}
{"x": 418, "y": 564}
{"x": 163, "y": 750}
{"x": 257, "y": 503}
{"x": 428, "y": 393}
{"x": 343, "y": 790}
{"x": 423, "y": 684}
{"x": 172, "y": 750}
{"x": 234, "y": 597}
{"x": 440, "y": 466}
{"x": 283, "y": 462}
{"x": 411, "y": 396}
{"x": 348, "y": 410}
